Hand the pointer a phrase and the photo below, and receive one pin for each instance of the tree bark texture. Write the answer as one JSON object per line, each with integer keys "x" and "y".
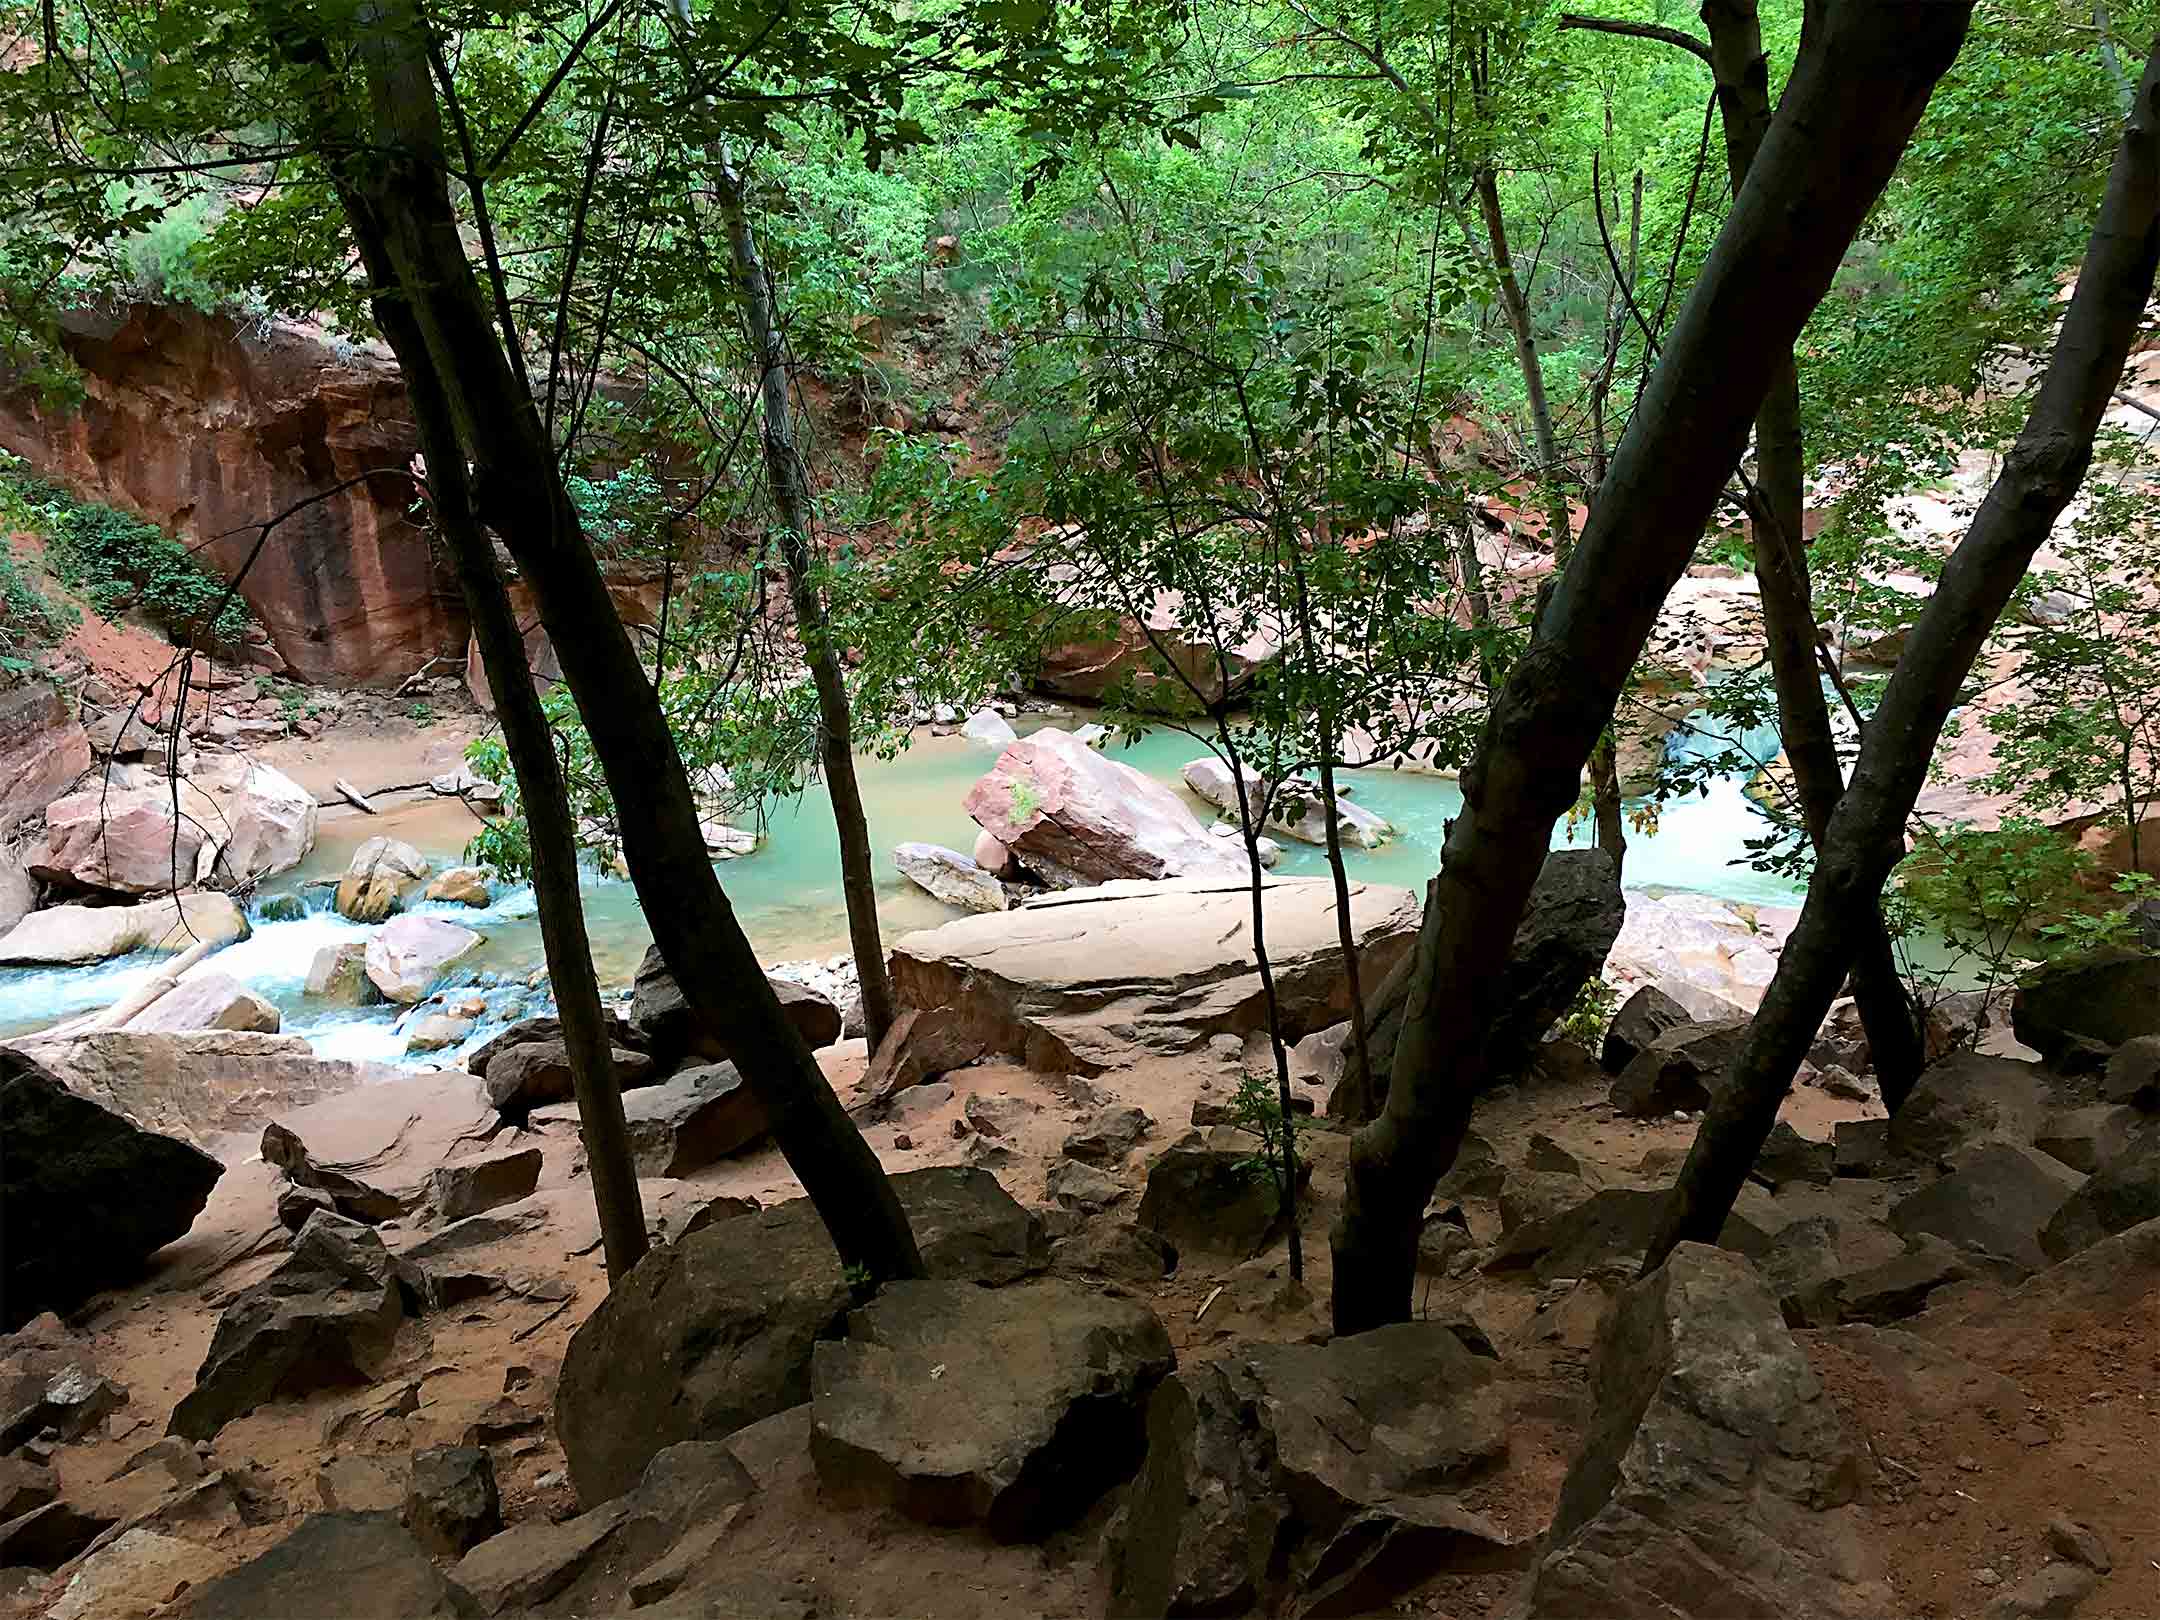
{"x": 785, "y": 468}
{"x": 1778, "y": 509}
{"x": 1865, "y": 70}
{"x": 1865, "y": 836}
{"x": 397, "y": 168}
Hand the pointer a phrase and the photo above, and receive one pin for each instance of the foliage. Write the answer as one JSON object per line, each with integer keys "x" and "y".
{"x": 1591, "y": 1011}
{"x": 1256, "y": 1110}
{"x": 122, "y": 564}
{"x": 30, "y": 621}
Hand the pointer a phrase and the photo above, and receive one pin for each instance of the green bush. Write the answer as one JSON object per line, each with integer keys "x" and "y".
{"x": 30, "y": 621}
{"x": 120, "y": 564}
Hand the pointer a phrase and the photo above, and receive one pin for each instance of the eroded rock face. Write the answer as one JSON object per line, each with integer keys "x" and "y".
{"x": 66, "y": 935}
{"x": 1717, "y": 1479}
{"x": 716, "y": 1330}
{"x": 349, "y": 589}
{"x": 85, "y": 1196}
{"x": 1073, "y": 818}
{"x": 1324, "y": 1474}
{"x": 1014, "y": 1408}
{"x": 42, "y": 750}
{"x": 1080, "y": 981}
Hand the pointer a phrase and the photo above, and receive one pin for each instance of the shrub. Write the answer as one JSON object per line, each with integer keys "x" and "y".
{"x": 30, "y": 621}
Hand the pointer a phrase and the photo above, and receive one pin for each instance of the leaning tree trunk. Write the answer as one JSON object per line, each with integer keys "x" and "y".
{"x": 1865, "y": 71}
{"x": 791, "y": 490}
{"x": 1866, "y": 833}
{"x": 1517, "y": 308}
{"x": 1778, "y": 509}
{"x": 394, "y": 164}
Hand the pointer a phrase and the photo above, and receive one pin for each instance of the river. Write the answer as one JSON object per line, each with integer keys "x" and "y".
{"x": 787, "y": 893}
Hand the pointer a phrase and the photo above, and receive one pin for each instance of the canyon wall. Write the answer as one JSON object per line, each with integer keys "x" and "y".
{"x": 206, "y": 428}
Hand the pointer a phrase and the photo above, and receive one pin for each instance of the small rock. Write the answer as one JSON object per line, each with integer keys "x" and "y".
{"x": 356, "y": 1484}
{"x": 470, "y": 1186}
{"x": 2079, "y": 1543}
{"x": 902, "y": 1141}
{"x": 1986, "y": 1577}
{"x": 1109, "y": 1137}
{"x": 1079, "y": 1186}
{"x": 452, "y": 1504}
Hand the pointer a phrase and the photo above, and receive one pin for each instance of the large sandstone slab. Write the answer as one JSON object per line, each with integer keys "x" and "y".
{"x": 133, "y": 841}
{"x": 716, "y": 1330}
{"x": 195, "y": 1083}
{"x": 1014, "y": 1408}
{"x": 62, "y": 936}
{"x": 1080, "y": 981}
{"x": 85, "y": 1196}
{"x": 1716, "y": 1479}
{"x": 208, "y": 1000}
{"x": 1073, "y": 817}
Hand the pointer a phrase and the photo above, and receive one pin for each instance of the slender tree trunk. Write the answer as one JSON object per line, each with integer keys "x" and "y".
{"x": 551, "y": 827}
{"x": 1517, "y": 309}
{"x": 1779, "y": 507}
{"x": 1866, "y": 833}
{"x": 1865, "y": 71}
{"x": 791, "y": 491}
{"x": 1286, "y": 1157}
{"x": 393, "y": 165}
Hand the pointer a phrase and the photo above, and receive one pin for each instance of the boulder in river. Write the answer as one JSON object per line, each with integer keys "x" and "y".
{"x": 465, "y": 885}
{"x": 339, "y": 973}
{"x": 1083, "y": 980}
{"x": 85, "y": 1195}
{"x": 1073, "y": 817}
{"x": 988, "y": 726}
{"x": 1296, "y": 810}
{"x": 69, "y": 935}
{"x": 133, "y": 841}
{"x": 269, "y": 826}
{"x": 408, "y": 954}
{"x": 378, "y": 879}
{"x": 208, "y": 1000}
{"x": 950, "y": 876}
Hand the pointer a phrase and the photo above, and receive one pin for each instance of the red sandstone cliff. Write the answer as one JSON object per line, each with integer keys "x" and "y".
{"x": 206, "y": 429}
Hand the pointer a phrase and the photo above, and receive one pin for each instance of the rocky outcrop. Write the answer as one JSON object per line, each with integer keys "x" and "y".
{"x": 716, "y": 1330}
{"x": 1128, "y": 657}
{"x": 85, "y": 1196}
{"x": 1014, "y": 1408}
{"x": 695, "y": 1118}
{"x": 274, "y": 414}
{"x": 67, "y": 935}
{"x": 948, "y": 875}
{"x": 1318, "y": 1479}
{"x": 453, "y": 1504}
{"x": 129, "y": 841}
{"x": 325, "y": 1319}
{"x": 664, "y": 1023}
{"x": 1072, "y": 817}
{"x": 1574, "y": 913}
{"x": 1079, "y": 981}
{"x": 209, "y": 1000}
{"x": 2074, "y": 1011}
{"x": 42, "y": 750}
{"x": 1716, "y": 1478}
{"x": 408, "y": 954}
{"x": 336, "y": 1566}
{"x": 382, "y": 874}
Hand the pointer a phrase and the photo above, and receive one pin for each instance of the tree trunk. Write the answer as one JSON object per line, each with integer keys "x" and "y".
{"x": 1778, "y": 509}
{"x": 1866, "y": 833}
{"x": 396, "y": 168}
{"x": 1517, "y": 308}
{"x": 1863, "y": 77}
{"x": 791, "y": 492}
